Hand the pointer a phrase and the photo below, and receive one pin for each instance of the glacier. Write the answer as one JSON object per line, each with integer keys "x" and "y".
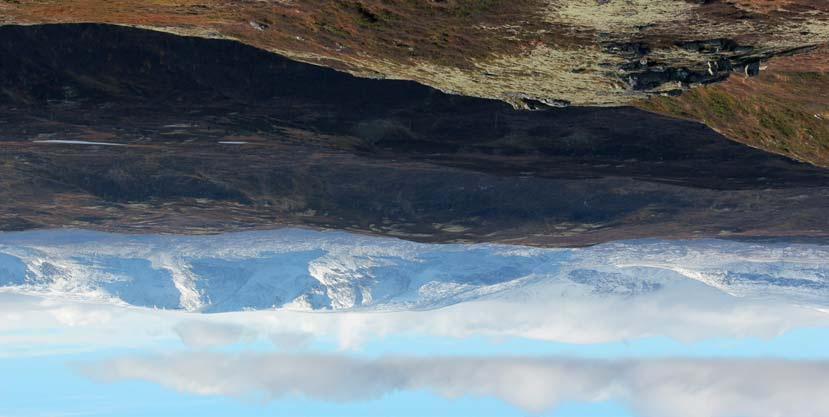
{"x": 305, "y": 270}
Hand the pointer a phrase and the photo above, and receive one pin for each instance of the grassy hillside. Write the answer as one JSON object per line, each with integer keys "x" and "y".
{"x": 785, "y": 110}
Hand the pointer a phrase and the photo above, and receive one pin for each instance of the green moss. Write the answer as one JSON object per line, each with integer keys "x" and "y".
{"x": 671, "y": 107}
{"x": 334, "y": 30}
{"x": 776, "y": 123}
{"x": 720, "y": 105}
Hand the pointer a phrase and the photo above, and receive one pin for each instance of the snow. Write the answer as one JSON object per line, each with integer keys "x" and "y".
{"x": 291, "y": 269}
{"x": 79, "y": 142}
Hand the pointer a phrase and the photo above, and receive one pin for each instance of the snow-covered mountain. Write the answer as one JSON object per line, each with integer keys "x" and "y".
{"x": 307, "y": 270}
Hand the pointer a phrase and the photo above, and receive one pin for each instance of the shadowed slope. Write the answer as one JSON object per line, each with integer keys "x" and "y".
{"x": 325, "y": 149}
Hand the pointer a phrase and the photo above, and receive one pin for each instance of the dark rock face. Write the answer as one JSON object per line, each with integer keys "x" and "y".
{"x": 324, "y": 149}
{"x": 726, "y": 57}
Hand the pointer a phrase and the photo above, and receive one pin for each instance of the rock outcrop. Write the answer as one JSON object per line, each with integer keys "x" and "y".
{"x": 784, "y": 110}
{"x": 527, "y": 52}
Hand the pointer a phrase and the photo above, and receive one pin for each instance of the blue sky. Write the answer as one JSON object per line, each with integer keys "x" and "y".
{"x": 51, "y": 385}
{"x": 636, "y": 329}
{"x": 48, "y": 387}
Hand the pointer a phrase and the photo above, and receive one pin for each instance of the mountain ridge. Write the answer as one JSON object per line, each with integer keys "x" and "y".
{"x": 333, "y": 271}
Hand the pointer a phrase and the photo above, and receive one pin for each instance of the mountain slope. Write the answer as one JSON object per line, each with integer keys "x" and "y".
{"x": 526, "y": 52}
{"x": 127, "y": 130}
{"x": 784, "y": 110}
{"x": 304, "y": 270}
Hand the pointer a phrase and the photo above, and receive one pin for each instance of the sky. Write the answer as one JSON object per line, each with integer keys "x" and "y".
{"x": 260, "y": 375}
{"x": 545, "y": 347}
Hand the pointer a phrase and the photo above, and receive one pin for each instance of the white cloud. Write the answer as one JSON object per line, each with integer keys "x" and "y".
{"x": 685, "y": 290}
{"x": 687, "y": 313}
{"x": 204, "y": 334}
{"x": 291, "y": 341}
{"x": 74, "y": 315}
{"x": 655, "y": 387}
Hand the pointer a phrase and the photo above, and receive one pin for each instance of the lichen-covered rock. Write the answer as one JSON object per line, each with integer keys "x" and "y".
{"x": 526, "y": 52}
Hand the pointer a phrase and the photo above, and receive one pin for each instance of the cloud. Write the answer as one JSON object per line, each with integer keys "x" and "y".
{"x": 690, "y": 312}
{"x": 205, "y": 334}
{"x": 33, "y": 326}
{"x": 686, "y": 313}
{"x": 684, "y": 290}
{"x": 652, "y": 387}
{"x": 292, "y": 341}
{"x": 74, "y": 315}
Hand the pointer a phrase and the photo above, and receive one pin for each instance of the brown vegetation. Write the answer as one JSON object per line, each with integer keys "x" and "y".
{"x": 520, "y": 51}
{"x": 785, "y": 110}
